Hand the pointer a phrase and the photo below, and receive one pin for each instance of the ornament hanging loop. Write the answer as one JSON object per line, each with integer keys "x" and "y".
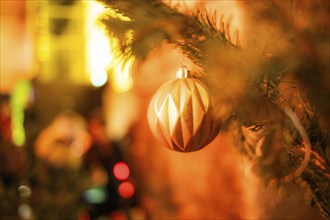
{"x": 182, "y": 73}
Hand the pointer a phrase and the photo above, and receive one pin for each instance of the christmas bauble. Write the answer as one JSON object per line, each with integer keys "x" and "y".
{"x": 181, "y": 115}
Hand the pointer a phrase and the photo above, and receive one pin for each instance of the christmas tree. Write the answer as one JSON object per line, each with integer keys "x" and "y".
{"x": 271, "y": 88}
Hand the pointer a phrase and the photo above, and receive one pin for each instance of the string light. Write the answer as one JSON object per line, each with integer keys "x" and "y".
{"x": 24, "y": 191}
{"x": 126, "y": 190}
{"x": 18, "y": 102}
{"x": 25, "y": 211}
{"x": 121, "y": 171}
{"x": 95, "y": 195}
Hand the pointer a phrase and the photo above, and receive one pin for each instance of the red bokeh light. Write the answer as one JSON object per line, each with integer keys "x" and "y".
{"x": 121, "y": 171}
{"x": 118, "y": 215}
{"x": 126, "y": 190}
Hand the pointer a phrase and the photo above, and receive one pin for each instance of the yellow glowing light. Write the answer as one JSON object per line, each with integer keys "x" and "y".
{"x": 99, "y": 57}
{"x": 122, "y": 80}
{"x": 43, "y": 41}
{"x": 99, "y": 49}
{"x": 104, "y": 53}
{"x": 98, "y": 45}
{"x": 43, "y": 51}
{"x": 117, "y": 15}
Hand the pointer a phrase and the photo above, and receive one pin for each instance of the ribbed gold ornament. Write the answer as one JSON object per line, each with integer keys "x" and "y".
{"x": 181, "y": 115}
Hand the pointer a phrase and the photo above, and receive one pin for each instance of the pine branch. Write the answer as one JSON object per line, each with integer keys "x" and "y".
{"x": 261, "y": 112}
{"x": 306, "y": 151}
{"x": 152, "y": 23}
{"x": 317, "y": 175}
{"x": 221, "y": 34}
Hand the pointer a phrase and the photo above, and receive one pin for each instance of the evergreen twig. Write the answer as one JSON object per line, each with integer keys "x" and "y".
{"x": 193, "y": 34}
{"x": 197, "y": 36}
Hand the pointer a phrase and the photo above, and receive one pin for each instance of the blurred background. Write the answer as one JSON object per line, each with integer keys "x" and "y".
{"x": 75, "y": 143}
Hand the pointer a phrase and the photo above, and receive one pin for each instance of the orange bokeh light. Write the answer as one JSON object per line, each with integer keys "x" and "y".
{"x": 126, "y": 190}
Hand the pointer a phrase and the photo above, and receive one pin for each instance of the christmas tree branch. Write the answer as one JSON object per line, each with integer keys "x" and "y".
{"x": 251, "y": 79}
{"x": 152, "y": 23}
{"x": 293, "y": 117}
{"x": 317, "y": 176}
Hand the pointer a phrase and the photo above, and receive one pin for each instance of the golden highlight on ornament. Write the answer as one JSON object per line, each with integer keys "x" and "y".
{"x": 181, "y": 115}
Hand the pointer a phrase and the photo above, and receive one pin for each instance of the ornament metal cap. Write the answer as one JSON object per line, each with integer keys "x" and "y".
{"x": 182, "y": 73}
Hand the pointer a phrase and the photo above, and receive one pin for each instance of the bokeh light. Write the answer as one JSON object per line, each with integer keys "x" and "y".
{"x": 122, "y": 80}
{"x": 95, "y": 195}
{"x": 24, "y": 191}
{"x": 121, "y": 171}
{"x": 98, "y": 77}
{"x": 19, "y": 100}
{"x": 104, "y": 53}
{"x": 25, "y": 211}
{"x": 97, "y": 45}
{"x": 126, "y": 190}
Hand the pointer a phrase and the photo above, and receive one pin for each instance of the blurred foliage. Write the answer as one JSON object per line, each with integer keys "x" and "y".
{"x": 264, "y": 88}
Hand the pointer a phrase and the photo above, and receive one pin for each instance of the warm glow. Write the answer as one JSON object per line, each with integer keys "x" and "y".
{"x": 98, "y": 49}
{"x": 126, "y": 190}
{"x": 43, "y": 41}
{"x": 98, "y": 45}
{"x": 122, "y": 80}
{"x": 24, "y": 191}
{"x": 43, "y": 51}
{"x": 121, "y": 171}
{"x": 25, "y": 211}
{"x": 102, "y": 52}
